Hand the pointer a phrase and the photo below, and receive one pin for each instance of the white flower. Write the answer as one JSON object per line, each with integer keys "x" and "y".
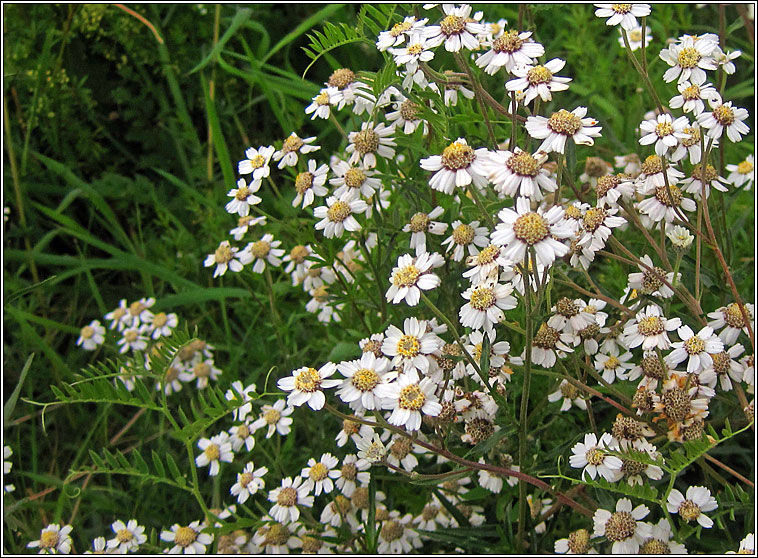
{"x": 570, "y": 395}
{"x": 592, "y": 457}
{"x": 350, "y": 91}
{"x": 203, "y": 371}
{"x": 434, "y": 515}
{"x": 694, "y": 184}
{"x": 276, "y": 418}
{"x": 623, "y": 528}
{"x": 613, "y": 365}
{"x": 91, "y": 336}
{"x": 265, "y": 250}
{"x": 53, "y": 539}
{"x": 550, "y": 343}
{"x": 412, "y": 346}
{"x": 321, "y": 107}
{"x": 287, "y": 498}
{"x": 652, "y": 175}
{"x": 244, "y": 224}
{"x": 697, "y": 348}
{"x": 691, "y": 507}
{"x": 422, "y": 223}
{"x": 371, "y": 141}
{"x": 353, "y": 471}
{"x": 561, "y": 126}
{"x": 120, "y": 317}
{"x": 451, "y": 91}
{"x": 247, "y": 393}
{"x": 724, "y": 116}
{"x": 318, "y": 475}
{"x": 624, "y": 14}
{"x": 743, "y": 173}
{"x": 128, "y": 537}
{"x": 487, "y": 264}
{"x": 597, "y": 223}
{"x": 411, "y": 275}
{"x": 275, "y": 538}
{"x": 134, "y": 339}
{"x": 226, "y": 257}
{"x": 664, "y": 131}
{"x": 539, "y": 80}
{"x": 362, "y": 378}
{"x": 524, "y": 229}
{"x": 649, "y": 328}
{"x": 636, "y": 41}
{"x": 660, "y": 540}
{"x": 519, "y": 173}
{"x": 680, "y": 237}
{"x": 466, "y": 237}
{"x": 256, "y": 163}
{"x": 217, "y": 449}
{"x": 649, "y": 280}
{"x": 417, "y": 50}
{"x": 370, "y": 447}
{"x": 309, "y": 184}
{"x": 459, "y": 165}
{"x": 732, "y": 321}
{"x": 457, "y": 30}
{"x": 287, "y": 155}
{"x": 98, "y": 546}
{"x": 510, "y": 50}
{"x": 243, "y": 197}
{"x": 691, "y": 96}
{"x": 578, "y": 542}
{"x": 337, "y": 215}
{"x": 350, "y": 178}
{"x": 661, "y": 206}
{"x": 396, "y": 535}
{"x": 189, "y": 539}
{"x": 241, "y": 435}
{"x": 162, "y": 325}
{"x": 408, "y": 398}
{"x": 486, "y": 302}
{"x": 249, "y": 482}
{"x": 747, "y": 545}
{"x": 405, "y": 116}
{"x": 688, "y": 59}
{"x": 397, "y": 34}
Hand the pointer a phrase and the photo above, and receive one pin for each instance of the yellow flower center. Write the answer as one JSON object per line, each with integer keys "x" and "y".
{"x": 308, "y": 380}
{"x": 321, "y": 294}
{"x": 272, "y": 416}
{"x": 531, "y": 228}
{"x": 691, "y": 93}
{"x": 185, "y": 536}
{"x": 457, "y": 156}
{"x": 136, "y": 308}
{"x": 507, "y": 42}
{"x": 341, "y": 78}
{"x": 212, "y": 452}
{"x": 594, "y": 456}
{"x": 202, "y": 370}
{"x": 612, "y": 363}
{"x": 415, "y": 49}
{"x": 287, "y": 497}
{"x": 651, "y": 282}
{"x": 365, "y": 379}
{"x": 487, "y": 255}
{"x": 693, "y": 137}
{"x": 366, "y": 141}
{"x": 87, "y": 332}
{"x": 420, "y": 222}
{"x": 523, "y": 164}
{"x": 292, "y": 143}
{"x": 482, "y": 298}
{"x": 621, "y": 8}
{"x": 676, "y": 404}
{"x": 131, "y": 335}
{"x": 663, "y": 129}
{"x": 694, "y": 345}
{"x": 593, "y": 218}
{"x": 620, "y": 527}
{"x": 257, "y": 161}
{"x": 354, "y": 178}
{"x": 546, "y": 337}
{"x": 124, "y": 535}
{"x": 655, "y": 546}
{"x": 322, "y": 98}
{"x": 303, "y": 181}
{"x": 539, "y": 74}
{"x": 408, "y": 346}
{"x": 399, "y": 28}
{"x": 564, "y": 122}
{"x": 409, "y": 110}
{"x": 49, "y": 539}
{"x": 298, "y": 254}
{"x": 733, "y": 316}
{"x": 724, "y": 115}
{"x": 573, "y": 212}
{"x": 392, "y": 530}
{"x": 406, "y": 277}
{"x": 338, "y": 212}
{"x": 318, "y": 472}
{"x": 452, "y": 25}
{"x": 578, "y": 541}
{"x": 670, "y": 197}
{"x": 277, "y": 534}
{"x": 411, "y": 397}
{"x": 463, "y": 234}
{"x": 348, "y": 471}
{"x": 569, "y": 391}
{"x": 635, "y": 36}
{"x": 649, "y": 326}
{"x": 160, "y": 319}
{"x": 689, "y": 510}
{"x": 710, "y": 173}
{"x": 245, "y": 479}
{"x": 223, "y": 254}
{"x": 652, "y": 165}
{"x": 745, "y": 167}
{"x": 688, "y": 57}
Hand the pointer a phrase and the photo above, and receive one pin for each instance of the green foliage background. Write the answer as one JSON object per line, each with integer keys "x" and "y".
{"x": 116, "y": 192}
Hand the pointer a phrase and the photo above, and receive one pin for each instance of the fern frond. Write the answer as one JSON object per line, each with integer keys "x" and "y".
{"x": 332, "y": 36}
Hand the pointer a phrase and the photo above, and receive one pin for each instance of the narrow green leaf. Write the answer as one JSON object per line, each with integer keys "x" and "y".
{"x": 242, "y": 15}
{"x": 217, "y": 135}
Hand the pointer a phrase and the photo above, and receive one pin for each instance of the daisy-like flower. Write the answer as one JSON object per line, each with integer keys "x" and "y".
{"x": 350, "y": 91}
{"x": 591, "y": 456}
{"x": 396, "y": 535}
{"x": 338, "y": 512}
{"x": 287, "y": 498}
{"x": 91, "y": 336}
{"x": 306, "y": 385}
{"x": 664, "y": 131}
{"x": 162, "y": 325}
{"x": 353, "y": 471}
{"x": 684, "y": 409}
{"x": 523, "y": 229}
{"x": 623, "y": 528}
{"x": 697, "y": 348}
{"x": 691, "y": 96}
{"x": 488, "y": 264}
{"x": 128, "y": 537}
{"x": 652, "y": 175}
{"x": 689, "y": 59}
{"x": 243, "y": 197}
{"x": 578, "y": 542}
{"x": 98, "y": 546}
{"x": 265, "y": 250}
{"x": 622, "y": 14}
{"x": 275, "y": 538}
{"x": 570, "y": 395}
{"x": 422, "y": 223}
{"x": 256, "y": 163}
{"x": 649, "y": 280}
{"x": 309, "y": 184}
{"x": 203, "y": 371}
{"x": 466, "y": 237}
{"x": 405, "y": 116}
{"x": 244, "y": 224}
{"x": 459, "y": 165}
{"x": 724, "y": 116}
{"x": 120, "y": 317}
{"x": 296, "y": 263}
{"x": 275, "y": 418}
{"x": 241, "y": 435}
{"x": 248, "y": 394}
{"x": 457, "y": 29}
{"x": 742, "y": 173}
{"x": 662, "y": 205}
{"x": 690, "y": 146}
{"x": 288, "y": 154}
{"x": 633, "y": 469}
{"x": 680, "y": 237}
{"x": 249, "y": 482}
{"x": 538, "y": 81}
{"x": 548, "y": 344}
{"x": 561, "y": 126}
{"x": 613, "y": 365}
{"x": 660, "y": 541}
{"x": 411, "y": 275}
{"x": 318, "y": 475}
{"x": 350, "y": 178}
{"x": 694, "y": 184}
{"x": 217, "y": 449}
{"x": 371, "y": 141}
{"x": 486, "y": 302}
{"x": 649, "y": 328}
{"x": 731, "y": 319}
{"x": 597, "y": 223}
{"x": 510, "y": 50}
{"x": 417, "y": 50}
{"x": 187, "y": 540}
{"x": 396, "y": 35}
{"x": 636, "y": 40}
{"x": 408, "y": 398}
{"x": 434, "y": 514}
{"x": 451, "y": 90}
{"x": 692, "y": 506}
{"x": 226, "y": 257}
{"x": 412, "y": 346}
{"x": 371, "y": 448}
{"x": 53, "y": 539}
{"x": 519, "y": 173}
{"x": 747, "y": 545}
{"x": 337, "y": 215}
{"x": 362, "y": 378}
{"x": 133, "y": 338}
{"x": 321, "y": 105}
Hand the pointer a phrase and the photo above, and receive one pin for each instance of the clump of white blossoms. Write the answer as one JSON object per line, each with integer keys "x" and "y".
{"x": 411, "y": 276}
{"x": 519, "y": 173}
{"x": 337, "y": 216}
{"x": 458, "y": 166}
{"x": 561, "y": 126}
{"x": 456, "y": 30}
